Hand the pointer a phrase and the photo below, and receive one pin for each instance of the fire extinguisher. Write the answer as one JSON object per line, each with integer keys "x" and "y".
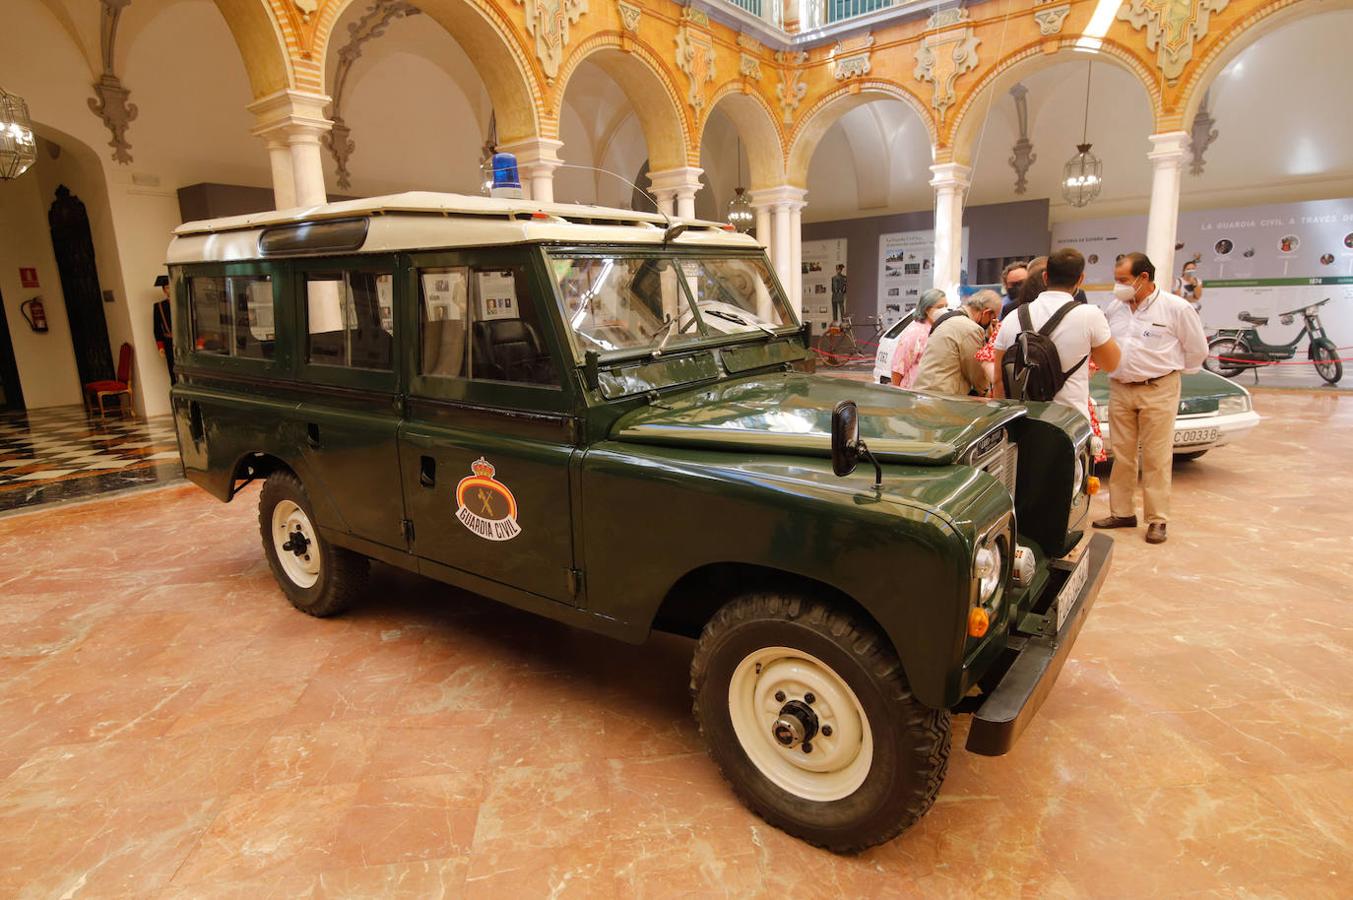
{"x": 34, "y": 314}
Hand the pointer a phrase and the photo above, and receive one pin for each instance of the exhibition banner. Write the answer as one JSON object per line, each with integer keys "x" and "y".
{"x": 906, "y": 260}
{"x": 1263, "y": 260}
{"x": 817, "y": 263}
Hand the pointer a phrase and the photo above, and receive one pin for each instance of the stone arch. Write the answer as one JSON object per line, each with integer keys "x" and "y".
{"x": 827, "y": 110}
{"x": 1239, "y": 37}
{"x": 494, "y": 48}
{"x": 967, "y": 116}
{"x": 650, "y": 90}
{"x": 761, "y": 133}
{"x": 263, "y": 48}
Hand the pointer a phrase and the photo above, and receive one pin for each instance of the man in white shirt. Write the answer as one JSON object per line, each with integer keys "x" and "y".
{"x": 1161, "y": 337}
{"x": 1082, "y": 335}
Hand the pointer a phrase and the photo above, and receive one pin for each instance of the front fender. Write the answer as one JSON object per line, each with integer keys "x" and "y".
{"x": 652, "y": 514}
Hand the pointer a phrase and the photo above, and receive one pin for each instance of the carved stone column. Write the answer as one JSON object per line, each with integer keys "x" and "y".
{"x": 296, "y": 120}
{"x": 951, "y": 184}
{"x": 676, "y": 190}
{"x": 1169, "y": 149}
{"x": 537, "y": 159}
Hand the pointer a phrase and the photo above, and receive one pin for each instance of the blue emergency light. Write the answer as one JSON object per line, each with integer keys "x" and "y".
{"x": 506, "y": 182}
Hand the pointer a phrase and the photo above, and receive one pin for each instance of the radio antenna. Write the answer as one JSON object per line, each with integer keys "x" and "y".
{"x": 656, "y": 208}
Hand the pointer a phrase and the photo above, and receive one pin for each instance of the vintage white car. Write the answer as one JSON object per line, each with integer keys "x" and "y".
{"x": 1213, "y": 411}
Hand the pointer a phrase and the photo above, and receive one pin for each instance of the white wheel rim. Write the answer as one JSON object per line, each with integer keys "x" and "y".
{"x": 289, "y": 520}
{"x": 841, "y": 750}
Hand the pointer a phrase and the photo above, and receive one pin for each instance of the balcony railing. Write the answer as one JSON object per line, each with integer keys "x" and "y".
{"x": 838, "y": 10}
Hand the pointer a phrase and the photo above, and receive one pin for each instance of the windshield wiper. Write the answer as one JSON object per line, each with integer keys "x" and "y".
{"x": 666, "y": 336}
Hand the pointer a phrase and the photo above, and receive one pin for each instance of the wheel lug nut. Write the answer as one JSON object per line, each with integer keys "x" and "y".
{"x": 807, "y": 747}
{"x": 779, "y": 696}
{"x": 809, "y": 698}
{"x": 826, "y": 731}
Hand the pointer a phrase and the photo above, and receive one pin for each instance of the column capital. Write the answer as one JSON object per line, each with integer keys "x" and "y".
{"x": 290, "y": 115}
{"x": 950, "y": 175}
{"x": 684, "y": 180}
{"x": 1168, "y": 147}
{"x": 535, "y": 152}
{"x": 784, "y": 195}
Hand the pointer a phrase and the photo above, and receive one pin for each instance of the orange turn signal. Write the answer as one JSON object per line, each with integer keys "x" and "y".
{"x": 1092, "y": 485}
{"x": 978, "y": 622}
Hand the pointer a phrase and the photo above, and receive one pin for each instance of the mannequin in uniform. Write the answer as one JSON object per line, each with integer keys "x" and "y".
{"x": 163, "y": 325}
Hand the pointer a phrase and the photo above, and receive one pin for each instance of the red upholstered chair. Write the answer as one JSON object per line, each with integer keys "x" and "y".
{"x": 97, "y": 391}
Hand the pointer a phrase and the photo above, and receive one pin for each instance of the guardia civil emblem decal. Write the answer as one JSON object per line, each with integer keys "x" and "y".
{"x": 485, "y": 505}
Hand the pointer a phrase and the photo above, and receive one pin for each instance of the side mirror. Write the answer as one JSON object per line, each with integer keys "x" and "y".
{"x": 845, "y": 438}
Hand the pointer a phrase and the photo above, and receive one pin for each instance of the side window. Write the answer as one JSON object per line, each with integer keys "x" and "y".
{"x": 232, "y": 315}
{"x": 445, "y": 321}
{"x": 349, "y": 319}
{"x": 482, "y": 323}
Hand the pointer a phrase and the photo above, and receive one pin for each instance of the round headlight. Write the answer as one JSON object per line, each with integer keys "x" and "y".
{"x": 1079, "y": 476}
{"x": 987, "y": 570}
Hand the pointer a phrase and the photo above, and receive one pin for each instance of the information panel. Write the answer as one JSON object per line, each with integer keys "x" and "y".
{"x": 906, "y": 261}
{"x": 818, "y": 262}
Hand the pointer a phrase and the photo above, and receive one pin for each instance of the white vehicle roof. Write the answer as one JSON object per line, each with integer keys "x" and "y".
{"x": 422, "y": 220}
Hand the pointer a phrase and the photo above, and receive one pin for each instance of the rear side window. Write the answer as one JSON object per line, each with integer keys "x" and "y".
{"x": 482, "y": 323}
{"x": 232, "y": 315}
{"x": 349, "y": 319}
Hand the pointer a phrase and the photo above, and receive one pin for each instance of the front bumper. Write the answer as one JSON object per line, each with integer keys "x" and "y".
{"x": 1229, "y": 428}
{"x": 1014, "y": 701}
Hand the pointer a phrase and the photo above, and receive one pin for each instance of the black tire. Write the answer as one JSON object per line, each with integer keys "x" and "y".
{"x": 1191, "y": 456}
{"x": 342, "y": 574}
{"x": 910, "y": 740}
{"x": 1224, "y": 346}
{"x": 1327, "y": 363}
{"x": 837, "y": 348}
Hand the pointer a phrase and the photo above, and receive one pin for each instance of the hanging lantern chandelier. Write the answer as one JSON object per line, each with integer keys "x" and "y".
{"x": 740, "y": 214}
{"x": 18, "y": 147}
{"x": 1083, "y": 175}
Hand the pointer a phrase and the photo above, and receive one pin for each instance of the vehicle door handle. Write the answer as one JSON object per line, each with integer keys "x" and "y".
{"x": 427, "y": 471}
{"x": 312, "y": 434}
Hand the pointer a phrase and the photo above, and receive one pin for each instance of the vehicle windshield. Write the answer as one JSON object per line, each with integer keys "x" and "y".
{"x": 633, "y": 302}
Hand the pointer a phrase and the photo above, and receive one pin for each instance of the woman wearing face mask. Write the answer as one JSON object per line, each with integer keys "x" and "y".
{"x": 1189, "y": 286}
{"x": 911, "y": 343}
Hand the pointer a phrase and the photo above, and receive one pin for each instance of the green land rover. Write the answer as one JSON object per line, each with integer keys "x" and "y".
{"x": 610, "y": 419}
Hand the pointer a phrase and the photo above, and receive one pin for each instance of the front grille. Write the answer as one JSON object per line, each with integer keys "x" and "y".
{"x": 1001, "y": 463}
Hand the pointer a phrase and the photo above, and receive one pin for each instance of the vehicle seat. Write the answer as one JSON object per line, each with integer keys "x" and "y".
{"x": 510, "y": 350}
{"x": 1253, "y": 320}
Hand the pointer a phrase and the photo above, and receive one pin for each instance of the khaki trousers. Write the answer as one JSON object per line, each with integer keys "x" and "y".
{"x": 1142, "y": 414}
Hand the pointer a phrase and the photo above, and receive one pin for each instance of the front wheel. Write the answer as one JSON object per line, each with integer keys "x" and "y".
{"x": 318, "y": 578}
{"x": 807, "y": 713}
{"x": 1327, "y": 363}
{"x": 1219, "y": 351}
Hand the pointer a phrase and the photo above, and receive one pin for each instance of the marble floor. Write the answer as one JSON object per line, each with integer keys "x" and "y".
{"x": 66, "y": 453}
{"x": 170, "y": 727}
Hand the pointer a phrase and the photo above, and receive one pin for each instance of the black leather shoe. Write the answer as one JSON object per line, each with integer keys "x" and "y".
{"x": 1155, "y": 533}
{"x": 1116, "y": 522}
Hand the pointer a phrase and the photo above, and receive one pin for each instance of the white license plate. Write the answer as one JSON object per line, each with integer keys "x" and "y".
{"x": 1185, "y": 436}
{"x": 1066, "y": 597}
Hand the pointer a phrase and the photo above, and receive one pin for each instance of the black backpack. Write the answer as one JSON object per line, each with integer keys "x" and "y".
{"x": 1032, "y": 368}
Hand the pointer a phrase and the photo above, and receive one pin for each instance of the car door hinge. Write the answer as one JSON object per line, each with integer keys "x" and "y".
{"x": 575, "y": 582}
{"x": 406, "y": 529}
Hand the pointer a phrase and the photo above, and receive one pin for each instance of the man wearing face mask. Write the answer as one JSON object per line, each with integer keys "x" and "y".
{"x": 949, "y": 364}
{"x": 1161, "y": 337}
{"x": 1012, "y": 279}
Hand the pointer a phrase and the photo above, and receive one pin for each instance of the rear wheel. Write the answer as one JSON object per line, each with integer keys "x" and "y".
{"x": 318, "y": 578}
{"x": 837, "y": 347}
{"x": 1225, "y": 348}
{"x": 1327, "y": 363}
{"x": 807, "y": 713}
